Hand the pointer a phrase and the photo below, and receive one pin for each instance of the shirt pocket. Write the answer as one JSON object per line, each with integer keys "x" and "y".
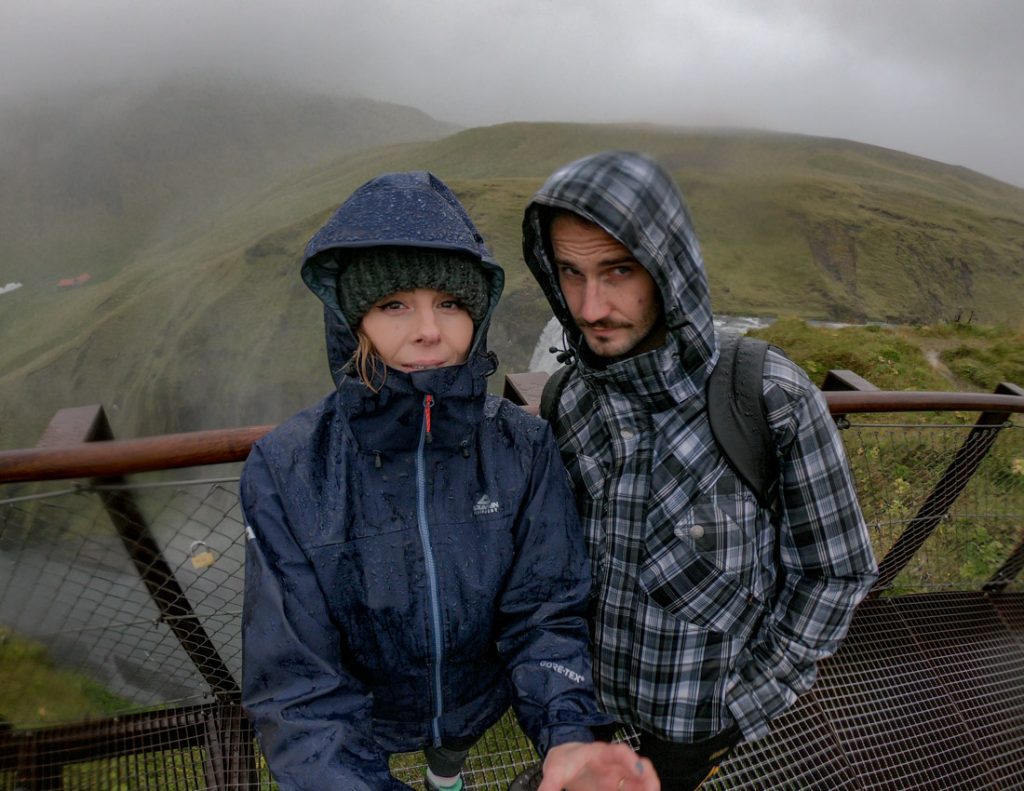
{"x": 703, "y": 568}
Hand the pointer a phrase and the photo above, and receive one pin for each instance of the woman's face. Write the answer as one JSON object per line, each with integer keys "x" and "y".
{"x": 419, "y": 329}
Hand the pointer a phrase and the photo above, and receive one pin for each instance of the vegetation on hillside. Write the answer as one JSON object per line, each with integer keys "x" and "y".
{"x": 978, "y": 356}
{"x": 28, "y": 676}
{"x": 211, "y": 326}
{"x": 947, "y": 356}
{"x": 89, "y": 181}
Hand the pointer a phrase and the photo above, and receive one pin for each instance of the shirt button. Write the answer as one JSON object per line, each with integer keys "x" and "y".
{"x": 697, "y": 532}
{"x": 626, "y": 434}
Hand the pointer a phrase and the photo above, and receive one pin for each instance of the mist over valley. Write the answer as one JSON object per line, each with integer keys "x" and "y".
{"x": 187, "y": 206}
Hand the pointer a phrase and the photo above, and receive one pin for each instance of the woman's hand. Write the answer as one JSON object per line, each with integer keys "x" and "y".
{"x": 598, "y": 766}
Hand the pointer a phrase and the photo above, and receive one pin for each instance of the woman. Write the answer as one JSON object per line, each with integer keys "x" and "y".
{"x": 415, "y": 563}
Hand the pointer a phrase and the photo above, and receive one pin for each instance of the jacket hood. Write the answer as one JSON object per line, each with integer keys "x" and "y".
{"x": 413, "y": 209}
{"x": 637, "y": 202}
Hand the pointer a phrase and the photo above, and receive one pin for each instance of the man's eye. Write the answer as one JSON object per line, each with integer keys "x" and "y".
{"x": 568, "y": 271}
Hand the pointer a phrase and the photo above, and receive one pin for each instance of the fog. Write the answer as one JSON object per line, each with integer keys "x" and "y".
{"x": 936, "y": 78}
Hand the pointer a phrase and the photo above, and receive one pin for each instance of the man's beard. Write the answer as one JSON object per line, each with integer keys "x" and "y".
{"x": 601, "y": 355}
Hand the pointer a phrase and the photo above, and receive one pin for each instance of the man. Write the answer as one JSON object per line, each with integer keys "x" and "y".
{"x": 709, "y": 615}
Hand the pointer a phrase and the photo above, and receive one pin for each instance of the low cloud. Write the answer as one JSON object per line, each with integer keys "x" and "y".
{"x": 937, "y": 78}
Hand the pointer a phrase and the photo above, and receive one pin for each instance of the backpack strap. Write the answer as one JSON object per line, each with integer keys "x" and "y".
{"x": 552, "y": 393}
{"x": 736, "y": 412}
{"x": 739, "y": 420}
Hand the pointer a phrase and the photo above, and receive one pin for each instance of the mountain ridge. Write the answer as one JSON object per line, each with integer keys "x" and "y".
{"x": 110, "y": 171}
{"x": 208, "y": 325}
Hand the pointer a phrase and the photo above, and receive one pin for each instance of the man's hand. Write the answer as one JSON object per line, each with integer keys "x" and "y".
{"x": 598, "y": 766}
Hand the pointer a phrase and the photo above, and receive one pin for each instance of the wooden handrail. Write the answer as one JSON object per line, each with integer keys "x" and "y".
{"x": 125, "y": 456}
{"x": 841, "y": 402}
{"x": 218, "y": 446}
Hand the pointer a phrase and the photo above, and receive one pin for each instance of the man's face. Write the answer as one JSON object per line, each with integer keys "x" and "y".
{"x": 612, "y": 298}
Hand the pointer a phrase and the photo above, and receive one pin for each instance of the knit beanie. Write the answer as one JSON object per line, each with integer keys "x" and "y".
{"x": 369, "y": 274}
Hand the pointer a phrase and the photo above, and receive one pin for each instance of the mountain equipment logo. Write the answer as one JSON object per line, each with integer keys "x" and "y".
{"x": 485, "y": 505}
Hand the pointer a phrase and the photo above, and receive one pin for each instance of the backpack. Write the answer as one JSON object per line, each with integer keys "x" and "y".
{"x": 736, "y": 412}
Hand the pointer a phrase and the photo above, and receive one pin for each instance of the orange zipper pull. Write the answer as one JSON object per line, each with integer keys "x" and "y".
{"x": 428, "y": 402}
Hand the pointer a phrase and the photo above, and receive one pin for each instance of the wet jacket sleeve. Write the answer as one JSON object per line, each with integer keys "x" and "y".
{"x": 542, "y": 631}
{"x": 825, "y": 566}
{"x": 311, "y": 716}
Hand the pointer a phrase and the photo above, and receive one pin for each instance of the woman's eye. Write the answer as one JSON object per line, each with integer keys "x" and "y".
{"x": 392, "y": 305}
{"x": 451, "y": 304}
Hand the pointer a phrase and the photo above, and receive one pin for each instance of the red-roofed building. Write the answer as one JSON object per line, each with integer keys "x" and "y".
{"x": 74, "y": 281}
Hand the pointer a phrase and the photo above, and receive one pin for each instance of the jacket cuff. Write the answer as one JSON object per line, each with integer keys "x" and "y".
{"x": 563, "y": 734}
{"x": 754, "y": 698}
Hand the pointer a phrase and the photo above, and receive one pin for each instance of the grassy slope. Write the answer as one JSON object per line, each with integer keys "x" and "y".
{"x": 930, "y": 357}
{"x": 215, "y": 329}
{"x": 28, "y": 677}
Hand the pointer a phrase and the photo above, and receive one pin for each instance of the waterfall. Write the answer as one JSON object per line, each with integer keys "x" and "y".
{"x": 542, "y": 359}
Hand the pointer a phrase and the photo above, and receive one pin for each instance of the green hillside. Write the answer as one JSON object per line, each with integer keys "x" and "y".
{"x": 89, "y": 181}
{"x": 212, "y": 327}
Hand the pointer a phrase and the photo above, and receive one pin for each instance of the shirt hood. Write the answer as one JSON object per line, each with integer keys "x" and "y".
{"x": 414, "y": 209}
{"x": 637, "y": 202}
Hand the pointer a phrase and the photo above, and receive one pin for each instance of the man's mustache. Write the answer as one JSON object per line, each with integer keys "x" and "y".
{"x": 602, "y": 325}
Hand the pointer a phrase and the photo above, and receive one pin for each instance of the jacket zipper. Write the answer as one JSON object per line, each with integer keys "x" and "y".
{"x": 428, "y": 559}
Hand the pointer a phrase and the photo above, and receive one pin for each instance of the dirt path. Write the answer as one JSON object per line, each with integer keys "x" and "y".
{"x": 932, "y": 354}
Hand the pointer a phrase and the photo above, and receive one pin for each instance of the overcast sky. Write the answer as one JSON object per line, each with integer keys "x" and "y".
{"x": 939, "y": 78}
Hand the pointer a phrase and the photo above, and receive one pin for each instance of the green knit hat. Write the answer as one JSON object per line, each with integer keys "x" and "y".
{"x": 369, "y": 274}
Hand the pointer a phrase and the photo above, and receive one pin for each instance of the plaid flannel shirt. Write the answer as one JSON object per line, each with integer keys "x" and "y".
{"x": 705, "y": 613}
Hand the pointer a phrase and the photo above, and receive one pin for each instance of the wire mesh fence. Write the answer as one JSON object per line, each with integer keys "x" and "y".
{"x": 960, "y": 486}
{"x": 71, "y": 581}
{"x": 120, "y": 644}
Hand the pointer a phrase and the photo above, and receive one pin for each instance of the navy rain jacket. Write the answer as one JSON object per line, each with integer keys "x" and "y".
{"x": 402, "y": 592}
